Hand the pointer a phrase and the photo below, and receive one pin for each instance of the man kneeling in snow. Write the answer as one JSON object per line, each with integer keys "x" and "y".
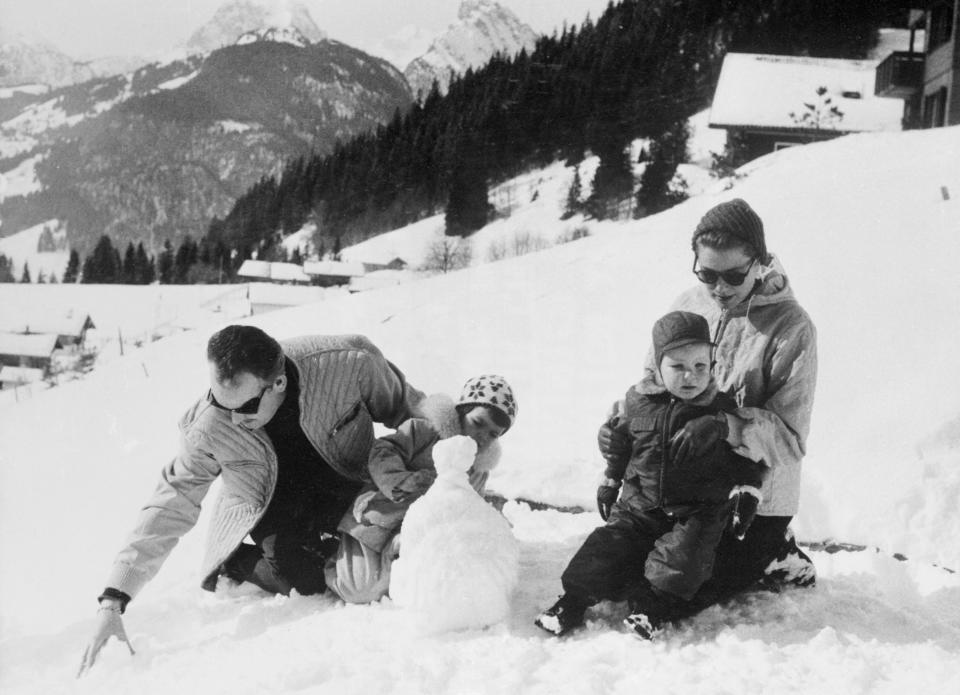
{"x": 402, "y": 469}
{"x": 287, "y": 427}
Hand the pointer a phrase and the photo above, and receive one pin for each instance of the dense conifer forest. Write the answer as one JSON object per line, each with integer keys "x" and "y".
{"x": 639, "y": 71}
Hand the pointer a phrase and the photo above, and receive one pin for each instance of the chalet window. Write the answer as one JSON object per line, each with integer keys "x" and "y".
{"x": 941, "y": 24}
{"x": 935, "y": 109}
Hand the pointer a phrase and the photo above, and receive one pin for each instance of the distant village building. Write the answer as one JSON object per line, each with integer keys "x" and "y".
{"x": 395, "y": 263}
{"x": 265, "y": 297}
{"x": 332, "y": 273}
{"x": 33, "y": 350}
{"x": 71, "y": 328}
{"x": 11, "y": 377}
{"x": 768, "y": 102}
{"x": 927, "y": 77}
{"x": 288, "y": 273}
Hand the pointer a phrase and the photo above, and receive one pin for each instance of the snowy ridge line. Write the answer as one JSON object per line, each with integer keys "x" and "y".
{"x": 828, "y": 545}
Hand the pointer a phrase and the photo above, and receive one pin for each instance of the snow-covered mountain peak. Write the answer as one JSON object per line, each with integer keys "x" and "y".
{"x": 469, "y": 8}
{"x": 234, "y": 20}
{"x": 28, "y": 58}
{"x": 483, "y": 28}
{"x": 287, "y": 34}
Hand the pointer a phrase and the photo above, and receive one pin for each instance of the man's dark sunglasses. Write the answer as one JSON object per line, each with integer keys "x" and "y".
{"x": 251, "y": 407}
{"x": 734, "y": 278}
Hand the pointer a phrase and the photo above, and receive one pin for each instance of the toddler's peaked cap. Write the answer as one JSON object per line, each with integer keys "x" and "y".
{"x": 739, "y": 220}
{"x": 679, "y": 328}
{"x": 490, "y": 390}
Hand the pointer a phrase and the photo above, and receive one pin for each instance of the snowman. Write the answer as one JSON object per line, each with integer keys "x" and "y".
{"x": 459, "y": 562}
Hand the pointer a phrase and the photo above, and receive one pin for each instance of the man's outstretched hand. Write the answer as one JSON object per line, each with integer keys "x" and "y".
{"x": 109, "y": 624}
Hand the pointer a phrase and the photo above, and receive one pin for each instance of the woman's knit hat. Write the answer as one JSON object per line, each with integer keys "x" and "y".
{"x": 738, "y": 219}
{"x": 490, "y": 390}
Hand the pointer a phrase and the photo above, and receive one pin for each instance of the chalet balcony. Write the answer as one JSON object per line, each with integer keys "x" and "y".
{"x": 900, "y": 75}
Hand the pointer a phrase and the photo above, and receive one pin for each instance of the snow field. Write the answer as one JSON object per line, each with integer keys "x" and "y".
{"x": 871, "y": 246}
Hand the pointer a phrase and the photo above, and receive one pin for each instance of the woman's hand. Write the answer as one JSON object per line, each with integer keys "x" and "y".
{"x": 697, "y": 437}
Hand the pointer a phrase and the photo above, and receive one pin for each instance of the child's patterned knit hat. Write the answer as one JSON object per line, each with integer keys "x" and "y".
{"x": 490, "y": 390}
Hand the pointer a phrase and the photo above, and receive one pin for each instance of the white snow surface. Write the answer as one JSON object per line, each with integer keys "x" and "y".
{"x": 459, "y": 562}
{"x": 867, "y": 229}
{"x": 21, "y": 248}
{"x": 21, "y": 180}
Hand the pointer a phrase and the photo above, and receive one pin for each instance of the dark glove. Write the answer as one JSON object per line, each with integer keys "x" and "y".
{"x": 746, "y": 500}
{"x": 606, "y": 496}
{"x": 613, "y": 444}
{"x": 697, "y": 437}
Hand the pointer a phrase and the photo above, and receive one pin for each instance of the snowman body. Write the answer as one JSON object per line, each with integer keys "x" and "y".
{"x": 459, "y": 561}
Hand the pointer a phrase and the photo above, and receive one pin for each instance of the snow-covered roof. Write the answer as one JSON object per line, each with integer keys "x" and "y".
{"x": 73, "y": 324}
{"x": 20, "y": 375}
{"x": 334, "y": 268}
{"x": 761, "y": 91}
{"x": 254, "y": 269}
{"x": 266, "y": 270}
{"x": 33, "y": 345}
{"x": 288, "y": 272}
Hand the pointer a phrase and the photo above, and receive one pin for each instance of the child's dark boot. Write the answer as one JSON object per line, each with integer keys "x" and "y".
{"x": 563, "y": 616}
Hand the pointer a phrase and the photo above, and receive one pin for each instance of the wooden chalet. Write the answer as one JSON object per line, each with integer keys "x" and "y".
{"x": 768, "y": 102}
{"x": 926, "y": 77}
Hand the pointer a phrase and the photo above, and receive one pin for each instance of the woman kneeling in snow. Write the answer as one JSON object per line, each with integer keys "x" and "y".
{"x": 402, "y": 469}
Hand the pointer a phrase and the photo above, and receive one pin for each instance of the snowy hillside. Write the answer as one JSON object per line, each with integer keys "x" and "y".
{"x": 866, "y": 228}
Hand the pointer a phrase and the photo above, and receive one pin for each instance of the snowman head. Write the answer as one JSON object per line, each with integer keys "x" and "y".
{"x": 453, "y": 457}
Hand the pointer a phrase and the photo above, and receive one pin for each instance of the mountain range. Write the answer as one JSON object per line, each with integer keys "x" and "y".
{"x": 156, "y": 153}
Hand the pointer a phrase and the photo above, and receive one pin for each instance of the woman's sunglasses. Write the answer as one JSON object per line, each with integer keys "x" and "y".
{"x": 734, "y": 278}
{"x": 251, "y": 407}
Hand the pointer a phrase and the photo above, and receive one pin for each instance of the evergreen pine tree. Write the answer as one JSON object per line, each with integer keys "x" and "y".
{"x": 165, "y": 264}
{"x": 612, "y": 184}
{"x": 573, "y": 196}
{"x": 128, "y": 273}
{"x": 46, "y": 242}
{"x": 70, "y": 275}
{"x": 468, "y": 208}
{"x": 103, "y": 265}
{"x": 42, "y": 278}
{"x": 184, "y": 259}
{"x": 6, "y": 269}
{"x": 89, "y": 273}
{"x": 666, "y": 152}
{"x": 26, "y": 273}
{"x": 145, "y": 273}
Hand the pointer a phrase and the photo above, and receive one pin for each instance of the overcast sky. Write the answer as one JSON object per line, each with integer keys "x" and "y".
{"x": 92, "y": 28}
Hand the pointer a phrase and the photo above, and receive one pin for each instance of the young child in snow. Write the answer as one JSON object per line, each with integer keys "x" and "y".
{"x": 460, "y": 560}
{"x": 658, "y": 544}
{"x": 402, "y": 469}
